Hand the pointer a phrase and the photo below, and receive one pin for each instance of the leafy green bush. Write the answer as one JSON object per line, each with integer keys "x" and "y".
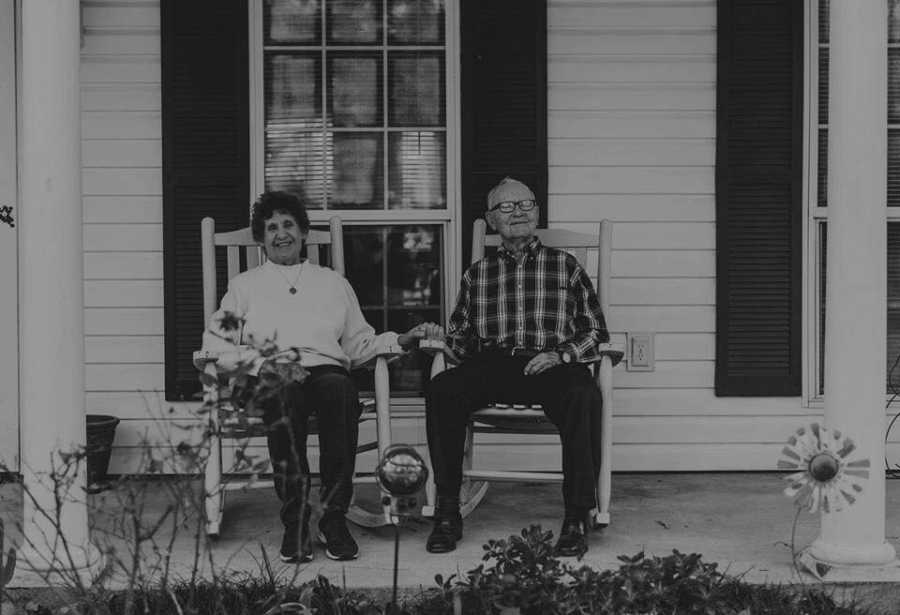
{"x": 519, "y": 575}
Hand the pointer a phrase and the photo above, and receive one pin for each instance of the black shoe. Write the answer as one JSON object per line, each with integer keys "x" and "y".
{"x": 334, "y": 534}
{"x": 572, "y": 538}
{"x": 445, "y": 534}
{"x": 296, "y": 546}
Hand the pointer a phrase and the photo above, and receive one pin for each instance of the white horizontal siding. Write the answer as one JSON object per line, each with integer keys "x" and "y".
{"x": 121, "y": 151}
{"x": 632, "y": 125}
{"x": 118, "y": 209}
{"x": 631, "y": 138}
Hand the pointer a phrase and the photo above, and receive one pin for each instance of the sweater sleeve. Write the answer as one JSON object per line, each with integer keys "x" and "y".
{"x": 358, "y": 340}
{"x": 225, "y": 327}
{"x": 224, "y": 331}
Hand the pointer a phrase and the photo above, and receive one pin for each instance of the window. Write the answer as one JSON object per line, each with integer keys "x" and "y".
{"x": 353, "y": 115}
{"x": 818, "y": 190}
{"x": 262, "y": 94}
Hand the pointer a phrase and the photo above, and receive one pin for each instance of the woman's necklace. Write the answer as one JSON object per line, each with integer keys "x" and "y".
{"x": 292, "y": 288}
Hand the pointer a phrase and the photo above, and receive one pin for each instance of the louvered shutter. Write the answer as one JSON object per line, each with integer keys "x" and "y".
{"x": 758, "y": 197}
{"x": 206, "y": 159}
{"x": 504, "y": 102}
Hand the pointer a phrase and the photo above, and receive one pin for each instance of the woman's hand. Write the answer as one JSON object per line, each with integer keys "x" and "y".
{"x": 426, "y": 330}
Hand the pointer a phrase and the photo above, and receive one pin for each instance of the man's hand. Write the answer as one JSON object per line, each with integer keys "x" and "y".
{"x": 426, "y": 330}
{"x": 542, "y": 362}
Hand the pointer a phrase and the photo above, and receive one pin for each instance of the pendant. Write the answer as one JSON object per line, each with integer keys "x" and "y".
{"x": 293, "y": 290}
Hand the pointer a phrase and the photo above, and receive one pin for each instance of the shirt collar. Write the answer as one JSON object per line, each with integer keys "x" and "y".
{"x": 530, "y": 249}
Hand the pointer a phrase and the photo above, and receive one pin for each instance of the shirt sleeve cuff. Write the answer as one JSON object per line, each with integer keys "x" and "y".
{"x": 387, "y": 344}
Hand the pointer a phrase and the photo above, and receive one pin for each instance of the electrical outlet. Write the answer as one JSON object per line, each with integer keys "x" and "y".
{"x": 640, "y": 352}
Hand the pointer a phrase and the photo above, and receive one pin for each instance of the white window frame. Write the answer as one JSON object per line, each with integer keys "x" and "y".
{"x": 447, "y": 218}
{"x": 813, "y": 214}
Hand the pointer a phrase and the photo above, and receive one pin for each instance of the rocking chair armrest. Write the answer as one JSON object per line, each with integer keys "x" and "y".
{"x": 389, "y": 356}
{"x": 616, "y": 352}
{"x": 225, "y": 359}
{"x": 442, "y": 354}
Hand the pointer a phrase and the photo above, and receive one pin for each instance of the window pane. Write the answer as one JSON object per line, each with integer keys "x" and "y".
{"x": 822, "y": 176}
{"x": 375, "y": 317}
{"x": 893, "y": 168}
{"x": 824, "y": 15}
{"x": 293, "y": 86}
{"x": 414, "y": 264}
{"x": 893, "y": 307}
{"x": 416, "y": 89}
{"x": 364, "y": 266}
{"x": 823, "y": 245}
{"x": 417, "y": 170}
{"x": 410, "y": 294}
{"x": 415, "y": 22}
{"x": 823, "y": 85}
{"x": 894, "y": 21}
{"x": 292, "y": 22}
{"x": 894, "y": 86}
{"x": 354, "y": 22}
{"x": 357, "y": 173}
{"x": 295, "y": 162}
{"x": 354, "y": 90}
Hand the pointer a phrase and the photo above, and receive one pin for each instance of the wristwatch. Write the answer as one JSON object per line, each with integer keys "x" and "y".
{"x": 565, "y": 356}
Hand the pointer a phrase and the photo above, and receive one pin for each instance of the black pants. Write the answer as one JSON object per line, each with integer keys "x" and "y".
{"x": 328, "y": 392}
{"x": 568, "y": 394}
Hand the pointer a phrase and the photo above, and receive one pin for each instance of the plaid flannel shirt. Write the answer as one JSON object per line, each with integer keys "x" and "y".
{"x": 547, "y": 303}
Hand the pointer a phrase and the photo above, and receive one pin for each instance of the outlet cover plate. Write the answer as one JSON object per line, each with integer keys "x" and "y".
{"x": 640, "y": 352}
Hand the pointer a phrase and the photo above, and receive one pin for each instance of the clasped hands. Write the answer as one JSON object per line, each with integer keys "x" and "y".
{"x": 424, "y": 331}
{"x": 431, "y": 331}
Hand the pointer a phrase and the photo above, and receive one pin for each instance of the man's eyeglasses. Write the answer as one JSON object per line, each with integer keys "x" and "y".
{"x": 507, "y": 207}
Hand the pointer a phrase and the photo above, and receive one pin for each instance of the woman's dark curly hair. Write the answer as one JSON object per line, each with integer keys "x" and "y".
{"x": 272, "y": 202}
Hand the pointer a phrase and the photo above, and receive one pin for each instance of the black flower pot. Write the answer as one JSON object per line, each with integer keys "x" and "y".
{"x": 101, "y": 431}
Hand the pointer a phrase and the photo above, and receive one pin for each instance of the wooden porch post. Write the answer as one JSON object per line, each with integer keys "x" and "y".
{"x": 852, "y": 542}
{"x": 51, "y": 326}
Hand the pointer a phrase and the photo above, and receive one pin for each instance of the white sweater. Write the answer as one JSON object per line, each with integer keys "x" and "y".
{"x": 322, "y": 319}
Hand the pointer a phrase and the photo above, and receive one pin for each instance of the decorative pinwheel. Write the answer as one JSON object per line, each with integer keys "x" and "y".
{"x": 827, "y": 473}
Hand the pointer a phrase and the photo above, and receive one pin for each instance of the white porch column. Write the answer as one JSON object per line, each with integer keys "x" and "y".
{"x": 51, "y": 333}
{"x": 853, "y": 541}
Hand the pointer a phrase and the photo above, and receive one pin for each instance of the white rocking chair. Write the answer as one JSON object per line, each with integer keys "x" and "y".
{"x": 530, "y": 419}
{"x": 227, "y": 425}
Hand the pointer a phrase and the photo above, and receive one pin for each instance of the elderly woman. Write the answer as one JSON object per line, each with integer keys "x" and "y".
{"x": 301, "y": 305}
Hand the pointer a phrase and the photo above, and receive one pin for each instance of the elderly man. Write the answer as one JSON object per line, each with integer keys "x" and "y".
{"x": 526, "y": 322}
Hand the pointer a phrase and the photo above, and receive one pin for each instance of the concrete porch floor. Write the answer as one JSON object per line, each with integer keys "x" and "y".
{"x": 740, "y": 520}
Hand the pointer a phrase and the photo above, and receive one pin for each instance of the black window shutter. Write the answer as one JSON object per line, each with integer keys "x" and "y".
{"x": 758, "y": 197}
{"x": 503, "y": 76}
{"x": 206, "y": 159}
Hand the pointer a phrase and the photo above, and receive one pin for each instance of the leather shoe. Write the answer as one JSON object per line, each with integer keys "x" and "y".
{"x": 572, "y": 538}
{"x": 445, "y": 534}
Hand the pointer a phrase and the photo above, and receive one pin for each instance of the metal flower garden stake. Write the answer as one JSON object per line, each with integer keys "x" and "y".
{"x": 827, "y": 475}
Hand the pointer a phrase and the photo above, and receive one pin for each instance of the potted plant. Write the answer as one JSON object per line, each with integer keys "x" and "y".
{"x": 101, "y": 431}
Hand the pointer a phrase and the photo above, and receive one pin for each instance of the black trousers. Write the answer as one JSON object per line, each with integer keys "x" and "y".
{"x": 331, "y": 395}
{"x": 568, "y": 394}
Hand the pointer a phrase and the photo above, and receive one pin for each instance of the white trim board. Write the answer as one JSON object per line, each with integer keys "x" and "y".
{"x": 9, "y": 323}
